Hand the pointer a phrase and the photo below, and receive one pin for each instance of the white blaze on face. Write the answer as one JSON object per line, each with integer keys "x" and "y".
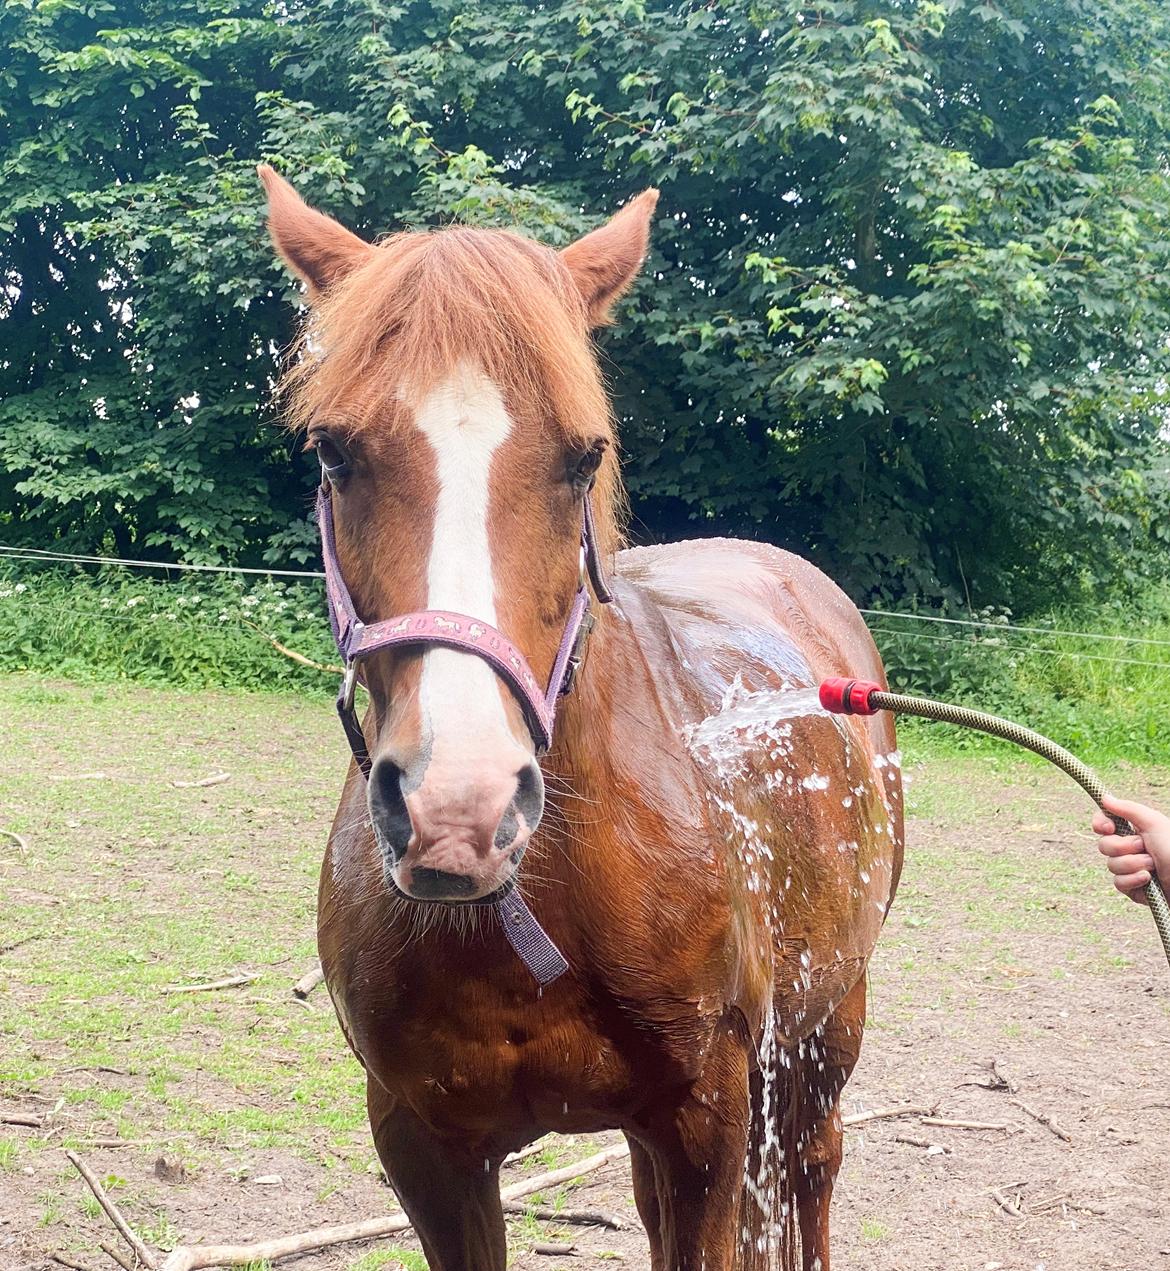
{"x": 465, "y": 421}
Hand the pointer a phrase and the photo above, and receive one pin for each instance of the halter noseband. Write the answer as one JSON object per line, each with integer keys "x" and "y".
{"x": 356, "y": 641}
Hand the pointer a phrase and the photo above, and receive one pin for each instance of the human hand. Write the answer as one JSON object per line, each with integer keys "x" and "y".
{"x": 1133, "y": 859}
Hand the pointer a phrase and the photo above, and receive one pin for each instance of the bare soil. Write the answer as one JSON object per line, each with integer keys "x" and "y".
{"x": 1006, "y": 945}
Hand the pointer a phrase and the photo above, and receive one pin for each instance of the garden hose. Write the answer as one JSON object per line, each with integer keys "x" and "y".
{"x": 843, "y": 696}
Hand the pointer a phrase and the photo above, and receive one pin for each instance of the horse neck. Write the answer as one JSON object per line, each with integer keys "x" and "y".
{"x": 592, "y": 764}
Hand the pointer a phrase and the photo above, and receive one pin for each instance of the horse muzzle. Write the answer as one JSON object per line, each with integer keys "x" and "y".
{"x": 450, "y": 837}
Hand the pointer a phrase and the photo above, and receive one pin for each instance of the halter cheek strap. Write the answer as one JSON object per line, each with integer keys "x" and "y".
{"x": 356, "y": 641}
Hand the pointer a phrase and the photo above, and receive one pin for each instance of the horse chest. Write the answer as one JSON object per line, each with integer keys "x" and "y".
{"x": 479, "y": 1061}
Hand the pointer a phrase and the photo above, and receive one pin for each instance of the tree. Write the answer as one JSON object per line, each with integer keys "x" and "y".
{"x": 906, "y": 310}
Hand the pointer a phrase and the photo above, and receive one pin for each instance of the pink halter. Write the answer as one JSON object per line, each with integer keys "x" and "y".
{"x": 357, "y": 641}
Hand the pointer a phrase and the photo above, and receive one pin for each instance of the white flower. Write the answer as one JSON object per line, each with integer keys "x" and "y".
{"x": 20, "y": 587}
{"x": 135, "y": 600}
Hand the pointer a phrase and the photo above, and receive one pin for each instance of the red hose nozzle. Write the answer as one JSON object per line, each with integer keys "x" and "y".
{"x": 843, "y": 696}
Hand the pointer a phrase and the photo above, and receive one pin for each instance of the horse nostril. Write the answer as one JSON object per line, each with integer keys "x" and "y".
{"x": 529, "y": 798}
{"x": 388, "y": 808}
{"x": 525, "y": 809}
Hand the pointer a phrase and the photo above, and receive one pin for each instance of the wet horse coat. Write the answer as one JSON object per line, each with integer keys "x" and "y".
{"x": 716, "y": 884}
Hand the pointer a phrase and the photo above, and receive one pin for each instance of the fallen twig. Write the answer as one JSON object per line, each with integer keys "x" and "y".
{"x": 15, "y": 944}
{"x": 231, "y": 982}
{"x": 308, "y": 982}
{"x": 532, "y": 1149}
{"x": 298, "y": 658}
{"x": 196, "y": 1257}
{"x": 1006, "y": 1204}
{"x": 1044, "y": 1119}
{"x": 580, "y": 1217}
{"x": 216, "y": 779}
{"x": 66, "y": 1261}
{"x": 22, "y": 1118}
{"x": 1050, "y": 1202}
{"x": 554, "y": 1250}
{"x": 19, "y": 839}
{"x": 141, "y": 1252}
{"x": 118, "y": 1256}
{"x": 913, "y": 1141}
{"x": 882, "y": 1114}
{"x": 967, "y": 1125}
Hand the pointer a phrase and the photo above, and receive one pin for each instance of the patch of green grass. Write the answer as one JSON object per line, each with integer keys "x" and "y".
{"x": 872, "y": 1230}
{"x": 52, "y": 1209}
{"x": 161, "y": 1232}
{"x": 411, "y": 1259}
{"x": 1095, "y": 680}
{"x": 9, "y": 1154}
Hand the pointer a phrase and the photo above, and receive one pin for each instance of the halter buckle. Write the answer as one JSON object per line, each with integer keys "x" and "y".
{"x": 348, "y": 685}
{"x": 577, "y": 657}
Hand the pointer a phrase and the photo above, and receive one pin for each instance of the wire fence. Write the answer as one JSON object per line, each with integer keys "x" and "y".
{"x": 975, "y": 626}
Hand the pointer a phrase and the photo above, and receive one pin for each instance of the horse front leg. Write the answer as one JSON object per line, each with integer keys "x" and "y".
{"x": 647, "y": 1187}
{"x": 697, "y": 1147}
{"x": 451, "y": 1199}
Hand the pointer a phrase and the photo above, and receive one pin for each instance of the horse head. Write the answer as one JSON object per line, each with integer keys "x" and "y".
{"x": 448, "y": 384}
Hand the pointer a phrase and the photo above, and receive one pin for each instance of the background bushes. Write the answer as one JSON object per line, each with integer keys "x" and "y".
{"x": 906, "y": 311}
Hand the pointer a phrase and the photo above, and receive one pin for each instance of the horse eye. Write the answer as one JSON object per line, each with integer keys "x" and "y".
{"x": 586, "y": 467}
{"x": 334, "y": 464}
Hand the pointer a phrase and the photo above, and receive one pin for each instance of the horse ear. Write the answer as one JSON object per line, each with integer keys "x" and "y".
{"x": 314, "y": 246}
{"x": 606, "y": 261}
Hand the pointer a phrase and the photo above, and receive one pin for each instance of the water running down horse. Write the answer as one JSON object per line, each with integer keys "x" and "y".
{"x": 715, "y": 880}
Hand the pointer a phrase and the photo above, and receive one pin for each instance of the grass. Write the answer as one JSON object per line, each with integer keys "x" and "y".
{"x": 1102, "y": 695}
{"x": 147, "y": 873}
{"x": 411, "y": 1259}
{"x": 873, "y": 1230}
{"x": 132, "y": 884}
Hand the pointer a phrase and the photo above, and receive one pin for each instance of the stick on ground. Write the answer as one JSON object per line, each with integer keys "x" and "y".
{"x": 968, "y": 1125}
{"x": 1044, "y": 1119}
{"x": 66, "y": 1261}
{"x": 1008, "y": 1206}
{"x": 19, "y": 839}
{"x": 580, "y": 1217}
{"x": 196, "y": 1257}
{"x": 883, "y": 1114}
{"x": 230, "y": 982}
{"x": 525, "y": 1152}
{"x": 113, "y": 1213}
{"x": 118, "y": 1256}
{"x": 308, "y": 982}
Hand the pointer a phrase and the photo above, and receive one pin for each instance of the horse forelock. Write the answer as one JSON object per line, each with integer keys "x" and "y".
{"x": 427, "y": 302}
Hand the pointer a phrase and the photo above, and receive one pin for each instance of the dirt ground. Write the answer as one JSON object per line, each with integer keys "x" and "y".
{"x": 1006, "y": 947}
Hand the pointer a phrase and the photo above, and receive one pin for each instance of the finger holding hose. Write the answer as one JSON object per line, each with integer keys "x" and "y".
{"x": 1133, "y": 859}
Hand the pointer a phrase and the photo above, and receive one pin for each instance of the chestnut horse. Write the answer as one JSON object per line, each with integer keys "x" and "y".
{"x": 716, "y": 880}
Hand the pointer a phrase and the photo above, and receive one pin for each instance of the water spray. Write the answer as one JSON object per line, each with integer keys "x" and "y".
{"x": 843, "y": 696}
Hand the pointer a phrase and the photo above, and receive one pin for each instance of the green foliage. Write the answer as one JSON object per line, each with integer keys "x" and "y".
{"x": 908, "y": 301}
{"x": 197, "y": 633}
{"x": 1102, "y": 694}
{"x": 1104, "y": 698}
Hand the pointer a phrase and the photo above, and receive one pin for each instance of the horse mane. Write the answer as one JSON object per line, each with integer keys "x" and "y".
{"x": 425, "y": 301}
